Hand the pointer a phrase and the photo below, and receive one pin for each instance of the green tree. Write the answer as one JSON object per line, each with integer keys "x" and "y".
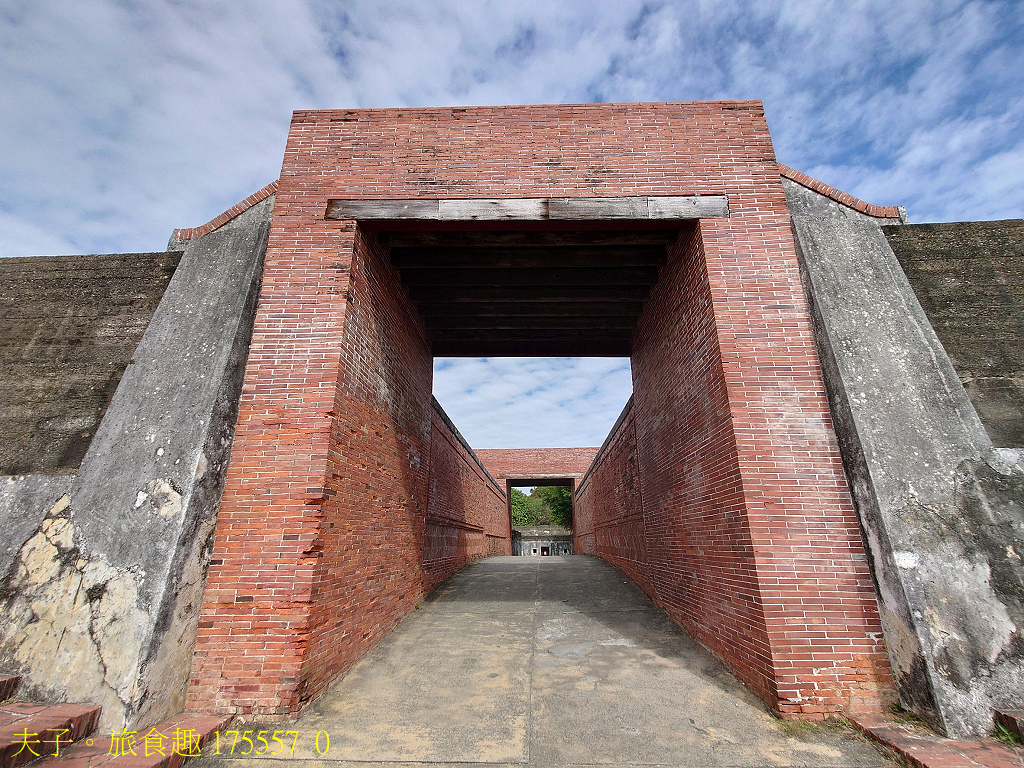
{"x": 557, "y": 501}
{"x": 523, "y": 512}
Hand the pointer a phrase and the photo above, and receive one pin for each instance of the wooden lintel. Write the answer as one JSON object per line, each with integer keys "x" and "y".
{"x": 534, "y": 348}
{"x": 663, "y": 208}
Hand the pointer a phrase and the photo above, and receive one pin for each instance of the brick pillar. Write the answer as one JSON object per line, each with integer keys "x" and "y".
{"x": 256, "y": 610}
{"x": 814, "y": 581}
{"x": 753, "y": 540}
{"x": 317, "y": 548}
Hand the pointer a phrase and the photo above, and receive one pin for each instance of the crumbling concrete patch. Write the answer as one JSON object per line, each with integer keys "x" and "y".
{"x": 79, "y": 614}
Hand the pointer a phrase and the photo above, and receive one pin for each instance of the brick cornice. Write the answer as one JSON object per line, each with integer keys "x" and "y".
{"x": 878, "y": 211}
{"x": 219, "y": 221}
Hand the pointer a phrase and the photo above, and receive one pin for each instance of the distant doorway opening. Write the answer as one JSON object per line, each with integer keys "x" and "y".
{"x": 540, "y": 516}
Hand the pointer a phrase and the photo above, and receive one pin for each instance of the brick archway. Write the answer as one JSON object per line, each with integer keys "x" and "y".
{"x": 721, "y": 490}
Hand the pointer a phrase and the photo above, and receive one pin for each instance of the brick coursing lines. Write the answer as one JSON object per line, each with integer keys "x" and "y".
{"x": 878, "y": 211}
{"x": 329, "y": 532}
{"x": 219, "y": 221}
{"x": 515, "y": 463}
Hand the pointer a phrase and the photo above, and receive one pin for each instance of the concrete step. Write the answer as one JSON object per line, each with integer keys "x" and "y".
{"x": 8, "y": 685}
{"x": 32, "y": 731}
{"x": 923, "y": 748}
{"x": 166, "y": 745}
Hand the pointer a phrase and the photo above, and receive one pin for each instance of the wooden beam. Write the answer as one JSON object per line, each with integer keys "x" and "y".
{"x": 594, "y": 323}
{"x": 529, "y": 293}
{"x": 534, "y": 348}
{"x": 532, "y": 334}
{"x": 598, "y": 208}
{"x": 668, "y": 208}
{"x": 530, "y": 309}
{"x": 574, "y": 277}
{"x": 511, "y": 257}
{"x": 517, "y": 239}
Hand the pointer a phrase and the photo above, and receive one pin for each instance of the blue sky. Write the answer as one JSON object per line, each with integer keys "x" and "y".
{"x": 121, "y": 121}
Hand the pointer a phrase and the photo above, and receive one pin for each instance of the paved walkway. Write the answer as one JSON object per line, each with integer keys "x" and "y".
{"x": 547, "y": 661}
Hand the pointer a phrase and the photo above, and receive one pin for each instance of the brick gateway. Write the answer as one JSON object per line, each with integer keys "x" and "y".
{"x": 660, "y": 231}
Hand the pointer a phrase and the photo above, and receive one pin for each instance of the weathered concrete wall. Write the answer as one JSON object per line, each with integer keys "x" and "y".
{"x": 942, "y": 511}
{"x": 24, "y": 501}
{"x": 969, "y": 278}
{"x": 68, "y": 328}
{"x": 100, "y": 603}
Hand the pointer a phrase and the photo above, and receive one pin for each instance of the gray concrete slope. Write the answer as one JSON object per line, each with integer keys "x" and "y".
{"x": 543, "y": 661}
{"x": 942, "y": 509}
{"x": 100, "y": 597}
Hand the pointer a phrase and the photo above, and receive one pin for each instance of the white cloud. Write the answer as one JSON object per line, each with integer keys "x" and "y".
{"x": 533, "y": 402}
{"x": 122, "y": 121}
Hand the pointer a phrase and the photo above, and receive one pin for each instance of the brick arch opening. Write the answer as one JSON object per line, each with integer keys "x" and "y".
{"x": 660, "y": 232}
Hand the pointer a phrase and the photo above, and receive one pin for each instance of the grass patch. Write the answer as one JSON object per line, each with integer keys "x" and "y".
{"x": 809, "y": 728}
{"x": 1008, "y": 737}
{"x": 901, "y": 715}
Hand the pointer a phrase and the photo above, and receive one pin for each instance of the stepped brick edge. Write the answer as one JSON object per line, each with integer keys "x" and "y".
{"x": 878, "y": 211}
{"x": 925, "y": 750}
{"x": 219, "y": 221}
{"x": 86, "y": 755}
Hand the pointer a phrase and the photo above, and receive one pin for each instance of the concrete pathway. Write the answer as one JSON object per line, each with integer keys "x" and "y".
{"x": 548, "y": 662}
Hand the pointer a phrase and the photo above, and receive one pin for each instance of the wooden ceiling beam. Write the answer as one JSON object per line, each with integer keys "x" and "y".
{"x": 528, "y": 293}
{"x": 518, "y": 239}
{"x": 574, "y": 256}
{"x": 505, "y": 278}
{"x": 530, "y": 309}
{"x": 536, "y": 334}
{"x": 534, "y": 348}
{"x": 535, "y": 323}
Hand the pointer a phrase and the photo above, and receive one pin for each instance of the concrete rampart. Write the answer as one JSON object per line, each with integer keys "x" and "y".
{"x": 68, "y": 328}
{"x": 100, "y": 600}
{"x": 942, "y": 510}
{"x": 969, "y": 278}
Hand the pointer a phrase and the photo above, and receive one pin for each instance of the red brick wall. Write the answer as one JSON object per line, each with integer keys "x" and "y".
{"x": 722, "y": 495}
{"x": 467, "y": 516}
{"x": 318, "y": 549}
{"x": 701, "y": 563}
{"x": 326, "y": 566}
{"x": 608, "y": 516}
{"x": 520, "y": 463}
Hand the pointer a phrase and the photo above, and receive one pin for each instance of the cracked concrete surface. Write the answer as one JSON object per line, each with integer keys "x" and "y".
{"x": 545, "y": 661}
{"x": 78, "y": 613}
{"x": 941, "y": 508}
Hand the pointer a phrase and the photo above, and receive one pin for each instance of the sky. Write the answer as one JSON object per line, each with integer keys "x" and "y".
{"x": 123, "y": 120}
